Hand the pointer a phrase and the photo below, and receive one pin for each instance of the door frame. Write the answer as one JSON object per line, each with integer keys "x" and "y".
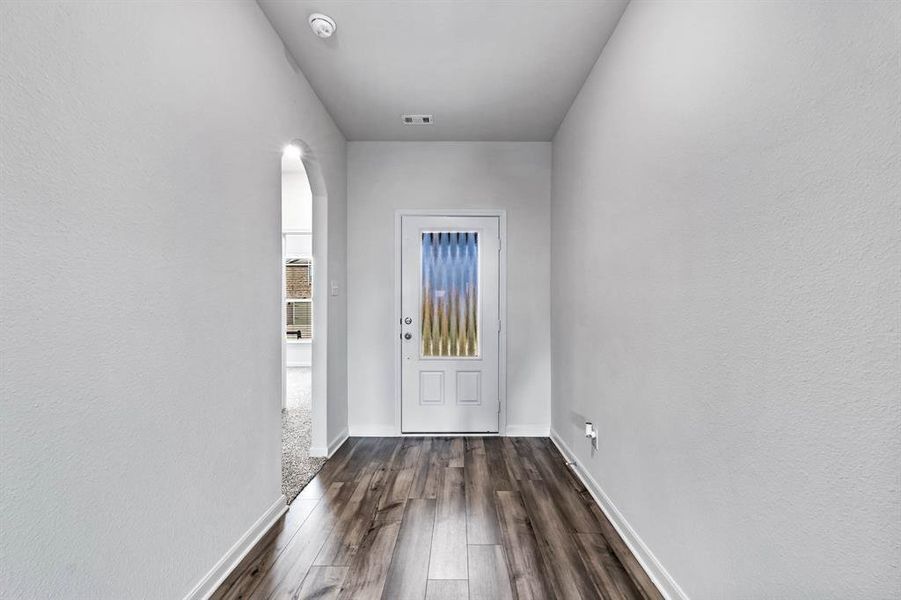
{"x": 501, "y": 215}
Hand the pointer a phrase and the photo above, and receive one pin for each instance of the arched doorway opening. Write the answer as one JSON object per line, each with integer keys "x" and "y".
{"x": 304, "y": 316}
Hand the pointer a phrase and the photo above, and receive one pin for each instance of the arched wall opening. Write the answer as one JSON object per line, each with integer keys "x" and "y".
{"x": 304, "y": 236}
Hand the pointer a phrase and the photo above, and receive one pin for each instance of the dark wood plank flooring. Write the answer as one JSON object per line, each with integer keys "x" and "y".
{"x": 457, "y": 518}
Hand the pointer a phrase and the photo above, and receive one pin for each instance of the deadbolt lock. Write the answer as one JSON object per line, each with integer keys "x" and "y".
{"x": 408, "y": 320}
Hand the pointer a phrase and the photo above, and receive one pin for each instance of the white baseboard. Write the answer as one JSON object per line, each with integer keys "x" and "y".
{"x": 212, "y": 580}
{"x": 391, "y": 431}
{"x": 337, "y": 442}
{"x": 527, "y": 431}
{"x": 333, "y": 446}
{"x": 659, "y": 575}
{"x": 373, "y": 431}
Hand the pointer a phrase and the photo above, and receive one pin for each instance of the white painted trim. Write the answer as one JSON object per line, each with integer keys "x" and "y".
{"x": 294, "y": 365}
{"x": 655, "y": 570}
{"x": 382, "y": 431}
{"x": 373, "y": 431}
{"x": 333, "y": 446}
{"x": 527, "y": 431}
{"x": 212, "y": 580}
{"x": 501, "y": 298}
{"x": 337, "y": 442}
{"x": 391, "y": 431}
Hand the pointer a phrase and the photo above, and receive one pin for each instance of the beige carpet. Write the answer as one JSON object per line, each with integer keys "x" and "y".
{"x": 298, "y": 467}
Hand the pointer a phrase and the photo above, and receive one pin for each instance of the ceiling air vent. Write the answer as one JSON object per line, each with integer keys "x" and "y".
{"x": 417, "y": 119}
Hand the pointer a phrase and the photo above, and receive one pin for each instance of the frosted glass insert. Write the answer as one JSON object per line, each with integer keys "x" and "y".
{"x": 450, "y": 293}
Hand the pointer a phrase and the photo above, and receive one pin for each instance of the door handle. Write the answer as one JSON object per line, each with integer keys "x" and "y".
{"x": 408, "y": 336}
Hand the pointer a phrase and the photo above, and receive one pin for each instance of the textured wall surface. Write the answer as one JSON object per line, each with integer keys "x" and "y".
{"x": 135, "y": 452}
{"x": 725, "y": 292}
{"x": 386, "y": 176}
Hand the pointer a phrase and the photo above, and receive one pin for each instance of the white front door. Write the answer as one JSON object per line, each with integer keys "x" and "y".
{"x": 450, "y": 324}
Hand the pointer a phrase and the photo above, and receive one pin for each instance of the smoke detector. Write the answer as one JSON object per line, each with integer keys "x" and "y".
{"x": 417, "y": 119}
{"x": 322, "y": 25}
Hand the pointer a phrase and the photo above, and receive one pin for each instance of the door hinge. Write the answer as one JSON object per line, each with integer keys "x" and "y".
{"x": 498, "y": 325}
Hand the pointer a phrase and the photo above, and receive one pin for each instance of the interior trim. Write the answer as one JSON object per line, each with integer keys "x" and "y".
{"x": 333, "y": 446}
{"x": 527, "y": 431}
{"x": 655, "y": 570}
{"x": 373, "y": 431}
{"x": 389, "y": 431}
{"x": 212, "y": 580}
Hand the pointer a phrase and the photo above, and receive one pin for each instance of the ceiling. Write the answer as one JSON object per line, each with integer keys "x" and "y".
{"x": 487, "y": 70}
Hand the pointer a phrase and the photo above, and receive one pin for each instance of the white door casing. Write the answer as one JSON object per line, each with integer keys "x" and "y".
{"x": 450, "y": 324}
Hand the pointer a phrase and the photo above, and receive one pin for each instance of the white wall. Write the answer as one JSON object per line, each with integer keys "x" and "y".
{"x": 298, "y": 245}
{"x": 141, "y": 184}
{"x": 386, "y": 176}
{"x": 725, "y": 243}
{"x": 297, "y": 197}
{"x": 298, "y": 354}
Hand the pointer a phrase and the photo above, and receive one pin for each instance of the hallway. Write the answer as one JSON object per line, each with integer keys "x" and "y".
{"x": 478, "y": 518}
{"x": 650, "y": 248}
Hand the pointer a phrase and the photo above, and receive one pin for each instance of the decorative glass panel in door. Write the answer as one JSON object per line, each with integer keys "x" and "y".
{"x": 450, "y": 294}
{"x": 449, "y": 325}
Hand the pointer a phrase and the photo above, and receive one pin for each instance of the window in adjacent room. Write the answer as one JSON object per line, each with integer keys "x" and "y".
{"x": 299, "y": 298}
